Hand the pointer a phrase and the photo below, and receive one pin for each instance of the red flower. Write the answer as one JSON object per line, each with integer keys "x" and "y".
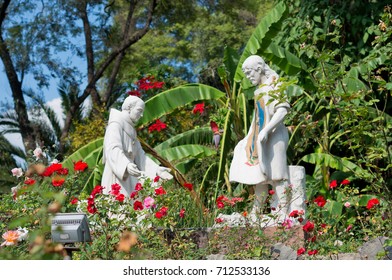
{"x": 372, "y": 202}
{"x": 333, "y": 184}
{"x": 51, "y": 169}
{"x": 199, "y": 108}
{"x": 345, "y": 182}
{"x": 80, "y": 166}
{"x": 301, "y": 251}
{"x": 74, "y": 200}
{"x": 97, "y": 189}
{"x": 158, "y": 215}
{"x": 138, "y": 187}
{"x": 29, "y": 181}
{"x": 157, "y": 126}
{"x": 156, "y": 179}
{"x": 320, "y": 201}
{"x": 323, "y": 225}
{"x": 220, "y": 204}
{"x": 294, "y": 214}
{"x": 189, "y": 186}
{"x": 308, "y": 227}
{"x": 160, "y": 191}
{"x": 219, "y": 220}
{"x": 134, "y": 93}
{"x": 137, "y": 205}
{"x": 271, "y": 192}
{"x": 149, "y": 82}
{"x": 300, "y": 219}
{"x": 133, "y": 194}
{"x": 312, "y": 239}
{"x": 182, "y": 213}
{"x": 58, "y": 182}
{"x": 120, "y": 197}
{"x": 62, "y": 171}
{"x": 349, "y": 228}
{"x": 92, "y": 209}
{"x": 312, "y": 252}
{"x": 115, "y": 189}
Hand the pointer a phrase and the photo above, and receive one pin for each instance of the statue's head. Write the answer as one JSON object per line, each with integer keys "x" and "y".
{"x": 134, "y": 107}
{"x": 254, "y": 68}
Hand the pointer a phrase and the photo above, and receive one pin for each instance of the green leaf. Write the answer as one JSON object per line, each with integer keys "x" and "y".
{"x": 201, "y": 135}
{"x": 230, "y": 59}
{"x": 185, "y": 151}
{"x": 334, "y": 209}
{"x": 224, "y": 146}
{"x": 170, "y": 100}
{"x": 284, "y": 59}
{"x": 261, "y": 38}
{"x": 335, "y": 162}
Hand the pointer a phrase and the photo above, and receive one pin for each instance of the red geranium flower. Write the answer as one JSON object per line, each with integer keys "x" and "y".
{"x": 137, "y": 205}
{"x": 320, "y": 201}
{"x": 219, "y": 220}
{"x": 133, "y": 194}
{"x": 80, "y": 166}
{"x": 294, "y": 214}
{"x": 115, "y": 189}
{"x": 58, "y": 182}
{"x": 189, "y": 186}
{"x": 138, "y": 187}
{"x": 372, "y": 202}
{"x": 74, "y": 200}
{"x": 54, "y": 167}
{"x": 156, "y": 179}
{"x": 157, "y": 126}
{"x": 158, "y": 215}
{"x": 333, "y": 184}
{"x": 345, "y": 182}
{"x": 97, "y": 189}
{"x": 182, "y": 213}
{"x": 120, "y": 197}
{"x": 29, "y": 181}
{"x": 161, "y": 213}
{"x": 92, "y": 209}
{"x": 160, "y": 191}
{"x": 312, "y": 252}
{"x": 199, "y": 108}
{"x": 271, "y": 192}
{"x": 301, "y": 251}
{"x": 62, "y": 171}
{"x": 308, "y": 227}
{"x": 134, "y": 93}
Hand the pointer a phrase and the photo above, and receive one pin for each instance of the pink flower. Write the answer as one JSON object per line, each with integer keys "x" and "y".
{"x": 17, "y": 172}
{"x": 333, "y": 184}
{"x": 320, "y": 201}
{"x": 301, "y": 251}
{"x": 347, "y": 204}
{"x": 287, "y": 223}
{"x": 11, "y": 237}
{"x": 148, "y": 202}
{"x": 37, "y": 153}
{"x": 372, "y": 202}
{"x": 199, "y": 108}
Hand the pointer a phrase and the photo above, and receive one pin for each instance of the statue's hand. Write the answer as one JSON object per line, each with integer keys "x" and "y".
{"x": 133, "y": 170}
{"x": 163, "y": 172}
{"x": 263, "y": 136}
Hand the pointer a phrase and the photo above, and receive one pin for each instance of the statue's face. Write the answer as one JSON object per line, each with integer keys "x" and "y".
{"x": 253, "y": 73}
{"x": 136, "y": 112}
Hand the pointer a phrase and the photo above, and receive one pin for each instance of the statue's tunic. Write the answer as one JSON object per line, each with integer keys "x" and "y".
{"x": 121, "y": 147}
{"x": 254, "y": 162}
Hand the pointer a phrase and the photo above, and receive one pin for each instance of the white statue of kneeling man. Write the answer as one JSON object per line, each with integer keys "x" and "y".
{"x": 123, "y": 156}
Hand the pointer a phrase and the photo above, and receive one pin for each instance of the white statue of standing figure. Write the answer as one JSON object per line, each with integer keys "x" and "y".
{"x": 260, "y": 158}
{"x": 123, "y": 156}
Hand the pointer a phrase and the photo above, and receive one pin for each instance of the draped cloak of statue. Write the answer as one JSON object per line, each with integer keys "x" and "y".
{"x": 247, "y": 167}
{"x": 121, "y": 147}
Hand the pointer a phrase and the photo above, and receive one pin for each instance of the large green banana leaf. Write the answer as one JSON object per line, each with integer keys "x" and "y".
{"x": 200, "y": 135}
{"x": 172, "y": 99}
{"x": 179, "y": 153}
